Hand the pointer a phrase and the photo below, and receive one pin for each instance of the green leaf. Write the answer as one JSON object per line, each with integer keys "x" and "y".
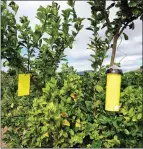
{"x": 91, "y": 3}
{"x": 127, "y": 118}
{"x": 46, "y": 40}
{"x": 71, "y": 132}
{"x": 69, "y": 100}
{"x": 104, "y": 25}
{"x": 37, "y": 35}
{"x": 40, "y": 42}
{"x": 5, "y": 12}
{"x": 99, "y": 88}
{"x": 42, "y": 9}
{"x": 134, "y": 119}
{"x": 136, "y": 12}
{"x": 12, "y": 105}
{"x": 132, "y": 25}
{"x": 98, "y": 102}
{"x": 44, "y": 129}
{"x": 74, "y": 33}
{"x": 37, "y": 27}
{"x": 126, "y": 132}
{"x": 39, "y": 15}
{"x": 139, "y": 116}
{"x": 125, "y": 36}
{"x": 99, "y": 17}
{"x": 89, "y": 28}
{"x": 70, "y": 46}
{"x": 14, "y": 6}
{"x": 6, "y": 63}
{"x": 131, "y": 112}
{"x": 23, "y": 19}
{"x": 96, "y": 8}
{"x": 96, "y": 144}
{"x": 110, "y": 37}
{"x": 116, "y": 140}
{"x": 112, "y": 5}
{"x": 124, "y": 111}
{"x": 132, "y": 4}
{"x": 71, "y": 3}
{"x": 115, "y": 124}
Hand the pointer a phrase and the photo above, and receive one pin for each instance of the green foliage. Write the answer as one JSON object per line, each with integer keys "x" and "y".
{"x": 63, "y": 109}
{"x": 10, "y": 49}
{"x": 125, "y": 36}
{"x": 49, "y": 38}
{"x": 70, "y": 113}
{"x": 127, "y": 12}
{"x": 129, "y": 77}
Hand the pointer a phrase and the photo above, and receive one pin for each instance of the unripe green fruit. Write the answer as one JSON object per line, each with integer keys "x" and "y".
{"x": 124, "y": 17}
{"x": 6, "y": 63}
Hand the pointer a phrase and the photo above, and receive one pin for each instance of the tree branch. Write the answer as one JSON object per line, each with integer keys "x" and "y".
{"x": 116, "y": 36}
{"x": 123, "y": 28}
{"x": 107, "y": 19}
{"x": 106, "y": 15}
{"x": 126, "y": 24}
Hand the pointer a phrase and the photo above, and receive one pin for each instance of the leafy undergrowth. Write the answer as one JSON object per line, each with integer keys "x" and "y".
{"x": 70, "y": 113}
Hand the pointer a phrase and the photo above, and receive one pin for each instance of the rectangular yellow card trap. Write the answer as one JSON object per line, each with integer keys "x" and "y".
{"x": 23, "y": 84}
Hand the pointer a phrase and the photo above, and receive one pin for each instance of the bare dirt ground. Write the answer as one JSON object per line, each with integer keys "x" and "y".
{"x": 3, "y": 130}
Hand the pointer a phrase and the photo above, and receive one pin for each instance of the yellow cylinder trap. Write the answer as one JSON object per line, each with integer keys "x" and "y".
{"x": 113, "y": 86}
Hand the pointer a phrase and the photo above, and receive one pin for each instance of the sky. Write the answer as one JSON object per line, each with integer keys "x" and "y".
{"x": 79, "y": 55}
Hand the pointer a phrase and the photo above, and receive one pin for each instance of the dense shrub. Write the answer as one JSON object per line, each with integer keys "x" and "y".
{"x": 132, "y": 78}
{"x": 70, "y": 113}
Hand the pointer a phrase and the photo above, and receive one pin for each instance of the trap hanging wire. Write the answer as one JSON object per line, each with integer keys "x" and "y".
{"x": 121, "y": 51}
{"x": 113, "y": 86}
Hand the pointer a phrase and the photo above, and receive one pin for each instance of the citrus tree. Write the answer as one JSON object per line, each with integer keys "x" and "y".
{"x": 49, "y": 39}
{"x": 126, "y": 13}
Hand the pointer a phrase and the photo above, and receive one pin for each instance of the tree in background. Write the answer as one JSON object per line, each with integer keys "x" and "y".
{"x": 49, "y": 38}
{"x": 127, "y": 12}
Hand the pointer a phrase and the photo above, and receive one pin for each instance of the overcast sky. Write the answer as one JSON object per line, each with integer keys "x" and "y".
{"x": 79, "y": 55}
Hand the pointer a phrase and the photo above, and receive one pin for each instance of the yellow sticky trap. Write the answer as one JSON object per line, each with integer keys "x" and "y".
{"x": 23, "y": 84}
{"x": 113, "y": 92}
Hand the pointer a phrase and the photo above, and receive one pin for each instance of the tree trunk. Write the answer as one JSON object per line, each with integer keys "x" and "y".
{"x": 116, "y": 36}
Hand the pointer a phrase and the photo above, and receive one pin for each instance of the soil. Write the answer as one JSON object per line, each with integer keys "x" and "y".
{"x": 3, "y": 130}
